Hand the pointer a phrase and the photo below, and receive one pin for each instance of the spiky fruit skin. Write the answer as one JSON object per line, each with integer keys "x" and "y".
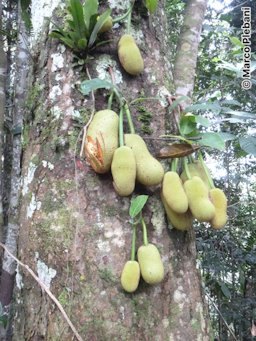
{"x": 173, "y": 193}
{"x": 180, "y": 221}
{"x": 108, "y": 24}
{"x": 219, "y": 201}
{"x": 149, "y": 171}
{"x": 151, "y": 265}
{"x": 195, "y": 169}
{"x": 123, "y": 170}
{"x": 198, "y": 199}
{"x": 130, "y": 276}
{"x": 102, "y": 140}
{"x": 129, "y": 55}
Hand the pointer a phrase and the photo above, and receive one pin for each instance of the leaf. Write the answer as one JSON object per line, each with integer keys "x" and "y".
{"x": 243, "y": 114}
{"x": 177, "y": 150}
{"x": 151, "y": 5}
{"x": 137, "y": 205}
{"x": 225, "y": 290}
{"x": 248, "y": 144}
{"x": 63, "y": 38}
{"x": 90, "y": 8}
{"x": 214, "y": 107}
{"x": 103, "y": 17}
{"x": 76, "y": 10}
{"x": 227, "y": 136}
{"x": 213, "y": 140}
{"x": 187, "y": 124}
{"x": 94, "y": 84}
{"x": 178, "y": 101}
{"x": 203, "y": 121}
{"x": 235, "y": 41}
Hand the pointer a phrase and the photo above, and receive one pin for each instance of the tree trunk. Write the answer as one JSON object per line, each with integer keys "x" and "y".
{"x": 74, "y": 229}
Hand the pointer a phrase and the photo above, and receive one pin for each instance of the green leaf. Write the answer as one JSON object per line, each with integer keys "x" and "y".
{"x": 227, "y": 136}
{"x": 237, "y": 42}
{"x": 94, "y": 84}
{"x": 151, "y": 5}
{"x": 243, "y": 114}
{"x": 90, "y": 8}
{"x": 177, "y": 102}
{"x": 213, "y": 140}
{"x": 63, "y": 38}
{"x": 248, "y": 144}
{"x": 214, "y": 107}
{"x": 203, "y": 121}
{"x": 187, "y": 124}
{"x": 82, "y": 43}
{"x": 76, "y": 10}
{"x": 225, "y": 290}
{"x": 137, "y": 205}
{"x": 103, "y": 17}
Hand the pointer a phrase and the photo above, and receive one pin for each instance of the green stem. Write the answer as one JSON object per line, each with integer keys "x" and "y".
{"x": 209, "y": 178}
{"x": 121, "y": 127}
{"x": 174, "y": 165}
{"x": 133, "y": 252}
{"x": 129, "y": 20}
{"x": 145, "y": 234}
{"x": 129, "y": 119}
{"x": 122, "y": 17}
{"x": 110, "y": 100}
{"x": 185, "y": 166}
{"x": 119, "y": 97}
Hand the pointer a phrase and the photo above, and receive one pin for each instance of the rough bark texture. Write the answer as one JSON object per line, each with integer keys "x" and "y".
{"x": 74, "y": 229}
{"x": 186, "y": 57}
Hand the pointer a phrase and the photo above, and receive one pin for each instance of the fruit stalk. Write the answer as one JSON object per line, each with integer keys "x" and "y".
{"x": 133, "y": 251}
{"x": 200, "y": 157}
{"x": 145, "y": 234}
{"x": 121, "y": 128}
{"x": 174, "y": 165}
{"x": 129, "y": 118}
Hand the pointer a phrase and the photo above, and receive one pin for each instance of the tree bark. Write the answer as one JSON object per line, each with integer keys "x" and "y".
{"x": 74, "y": 229}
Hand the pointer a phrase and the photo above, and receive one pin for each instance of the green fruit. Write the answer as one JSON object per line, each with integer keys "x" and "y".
{"x": 182, "y": 221}
{"x": 102, "y": 140}
{"x": 149, "y": 171}
{"x": 123, "y": 170}
{"x": 196, "y": 169}
{"x": 129, "y": 55}
{"x": 198, "y": 199}
{"x": 219, "y": 201}
{"x": 173, "y": 192}
{"x": 151, "y": 265}
{"x": 108, "y": 24}
{"x": 130, "y": 276}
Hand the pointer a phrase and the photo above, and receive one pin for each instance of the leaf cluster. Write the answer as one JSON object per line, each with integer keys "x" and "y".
{"x": 84, "y": 26}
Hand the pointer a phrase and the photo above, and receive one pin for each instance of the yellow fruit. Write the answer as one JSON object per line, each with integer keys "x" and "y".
{"x": 108, "y": 24}
{"x": 130, "y": 276}
{"x": 123, "y": 170}
{"x": 195, "y": 169}
{"x": 198, "y": 199}
{"x": 151, "y": 265}
{"x": 149, "y": 171}
{"x": 102, "y": 140}
{"x": 129, "y": 55}
{"x": 182, "y": 221}
{"x": 173, "y": 193}
{"x": 219, "y": 200}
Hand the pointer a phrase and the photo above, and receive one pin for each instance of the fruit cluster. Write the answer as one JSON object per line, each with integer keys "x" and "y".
{"x": 128, "y": 163}
{"x": 193, "y": 195}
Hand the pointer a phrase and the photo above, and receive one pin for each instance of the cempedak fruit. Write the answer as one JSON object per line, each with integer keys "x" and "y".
{"x": 102, "y": 140}
{"x": 108, "y": 24}
{"x": 130, "y": 276}
{"x": 151, "y": 265}
{"x": 219, "y": 200}
{"x": 123, "y": 170}
{"x": 198, "y": 199}
{"x": 182, "y": 221}
{"x": 149, "y": 171}
{"x": 195, "y": 169}
{"x": 173, "y": 192}
{"x": 129, "y": 55}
